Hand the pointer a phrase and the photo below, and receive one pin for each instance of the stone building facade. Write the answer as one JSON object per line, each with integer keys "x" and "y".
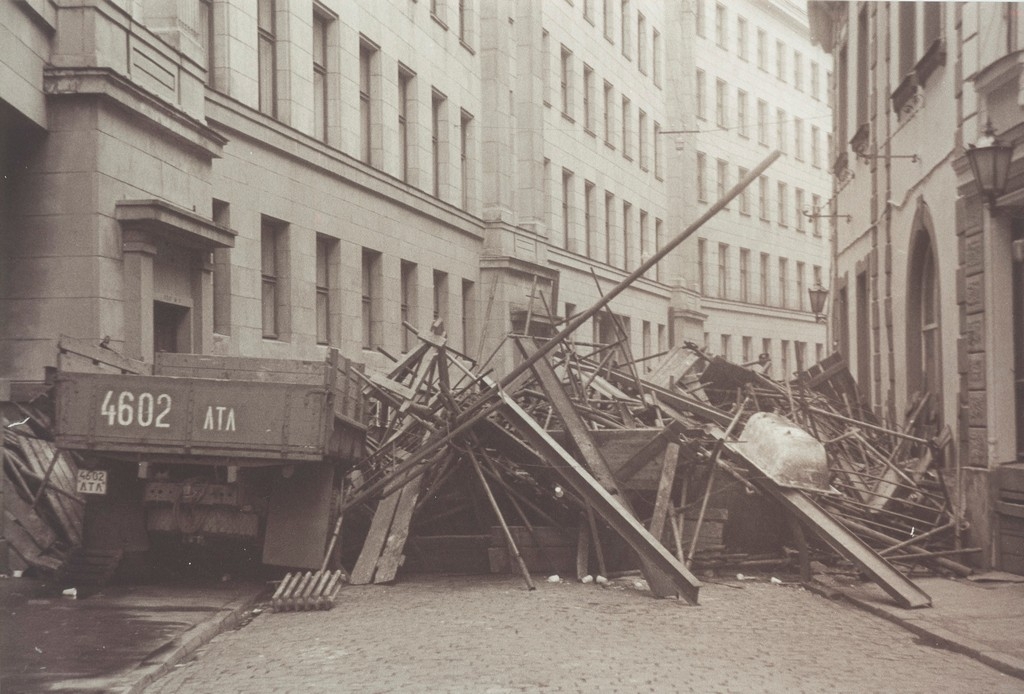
{"x": 274, "y": 177}
{"x": 927, "y": 290}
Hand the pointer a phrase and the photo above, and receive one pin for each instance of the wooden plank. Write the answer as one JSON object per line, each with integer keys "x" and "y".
{"x": 89, "y": 356}
{"x": 583, "y": 551}
{"x": 662, "y": 498}
{"x": 647, "y": 452}
{"x": 299, "y": 517}
{"x": 366, "y": 565}
{"x": 392, "y": 556}
{"x": 660, "y": 582}
{"x": 613, "y": 513}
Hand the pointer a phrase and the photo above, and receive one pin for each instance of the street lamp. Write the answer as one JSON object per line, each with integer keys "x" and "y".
{"x": 990, "y": 161}
{"x": 818, "y": 295}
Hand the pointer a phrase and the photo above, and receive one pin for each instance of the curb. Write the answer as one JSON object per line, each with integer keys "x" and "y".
{"x": 1007, "y": 664}
{"x": 180, "y": 647}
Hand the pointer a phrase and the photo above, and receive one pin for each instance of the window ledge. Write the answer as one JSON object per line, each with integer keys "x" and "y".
{"x": 465, "y": 45}
{"x": 441, "y": 22}
{"x": 589, "y": 131}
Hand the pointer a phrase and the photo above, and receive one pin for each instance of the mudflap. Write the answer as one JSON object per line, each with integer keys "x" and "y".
{"x": 298, "y": 517}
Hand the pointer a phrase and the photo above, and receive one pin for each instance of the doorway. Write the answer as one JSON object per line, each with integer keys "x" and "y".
{"x": 171, "y": 328}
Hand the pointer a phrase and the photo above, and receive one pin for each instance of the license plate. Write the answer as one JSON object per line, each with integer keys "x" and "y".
{"x": 92, "y": 482}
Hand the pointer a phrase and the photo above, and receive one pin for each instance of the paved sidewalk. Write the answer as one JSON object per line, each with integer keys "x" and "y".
{"x": 982, "y": 618}
{"x": 115, "y": 639}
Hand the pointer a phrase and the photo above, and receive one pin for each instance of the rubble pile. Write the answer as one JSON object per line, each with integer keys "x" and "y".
{"x": 579, "y": 441}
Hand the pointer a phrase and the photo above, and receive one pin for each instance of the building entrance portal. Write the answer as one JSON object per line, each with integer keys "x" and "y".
{"x": 171, "y": 331}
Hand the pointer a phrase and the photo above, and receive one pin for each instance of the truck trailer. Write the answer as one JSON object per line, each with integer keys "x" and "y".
{"x": 200, "y": 448}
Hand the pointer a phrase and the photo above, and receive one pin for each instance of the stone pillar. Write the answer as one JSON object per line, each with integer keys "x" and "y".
{"x": 138, "y": 255}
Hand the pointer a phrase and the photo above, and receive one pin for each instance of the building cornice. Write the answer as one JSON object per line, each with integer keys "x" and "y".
{"x": 114, "y": 88}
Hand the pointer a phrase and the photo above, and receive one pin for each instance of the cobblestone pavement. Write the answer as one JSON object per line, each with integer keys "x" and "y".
{"x": 489, "y": 634}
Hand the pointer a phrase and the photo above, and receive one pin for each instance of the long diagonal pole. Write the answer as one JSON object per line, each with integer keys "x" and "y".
{"x": 475, "y": 412}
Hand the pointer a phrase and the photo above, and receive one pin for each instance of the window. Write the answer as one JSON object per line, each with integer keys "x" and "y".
{"x": 609, "y": 212}
{"x": 702, "y": 261}
{"x": 265, "y": 11}
{"x": 727, "y": 347}
{"x": 588, "y": 98}
{"x": 741, "y": 38}
{"x": 465, "y": 140}
{"x": 641, "y": 43}
{"x": 762, "y": 122}
{"x": 222, "y": 269}
{"x": 548, "y": 194}
{"x": 721, "y": 30}
{"x": 326, "y": 251}
{"x": 800, "y": 285}
{"x": 933, "y": 23}
{"x": 783, "y": 203}
{"x": 608, "y": 21}
{"x": 862, "y": 66}
{"x": 567, "y": 209}
{"x": 762, "y": 50}
{"x": 819, "y": 352}
{"x": 723, "y": 271}
{"x": 798, "y": 71}
{"x": 656, "y": 57}
{"x": 438, "y": 11}
{"x": 371, "y": 287}
{"x": 588, "y": 219}
{"x": 842, "y": 114}
{"x": 780, "y": 129}
{"x": 627, "y": 146}
{"x": 907, "y": 36}
{"x": 658, "y": 173}
{"x": 784, "y": 358}
{"x": 441, "y": 298}
{"x": 320, "y": 100}
{"x": 745, "y": 276}
{"x": 722, "y": 178}
{"x": 780, "y": 60}
{"x": 645, "y": 336}
{"x": 815, "y": 147}
{"x": 748, "y": 349}
{"x": 741, "y": 113}
{"x": 765, "y": 280}
{"x": 762, "y": 201}
{"x": 404, "y": 145}
{"x": 588, "y": 10}
{"x": 658, "y": 243}
{"x": 783, "y": 283}
{"x": 408, "y": 305}
{"x": 627, "y": 234}
{"x": 439, "y": 141}
{"x": 798, "y": 138}
{"x": 206, "y": 36}
{"x": 816, "y": 275}
{"x": 645, "y": 239}
{"x": 272, "y": 263}
{"x": 609, "y": 114}
{"x": 465, "y": 26}
{"x": 701, "y": 87}
{"x": 566, "y": 82}
{"x": 545, "y": 50}
{"x": 468, "y": 296}
{"x": 626, "y": 48}
{"x": 367, "y": 58}
{"x": 744, "y": 194}
{"x": 702, "y": 184}
{"x": 798, "y": 194}
{"x": 641, "y": 140}
{"x": 815, "y": 82}
{"x": 816, "y": 207}
{"x": 721, "y": 104}
{"x": 699, "y": 19}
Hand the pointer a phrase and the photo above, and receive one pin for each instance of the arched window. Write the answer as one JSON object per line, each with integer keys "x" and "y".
{"x": 924, "y": 353}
